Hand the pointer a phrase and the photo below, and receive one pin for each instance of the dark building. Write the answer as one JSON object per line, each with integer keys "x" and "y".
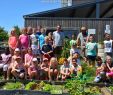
{"x": 90, "y": 13}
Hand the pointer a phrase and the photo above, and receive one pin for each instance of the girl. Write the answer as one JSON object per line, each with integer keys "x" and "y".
{"x": 6, "y": 60}
{"x": 53, "y": 69}
{"x": 18, "y": 70}
{"x": 91, "y": 48}
{"x": 16, "y": 54}
{"x": 50, "y": 36}
{"x": 24, "y": 41}
{"x": 28, "y": 58}
{"x": 44, "y": 67}
{"x": 33, "y": 69}
{"x": 13, "y": 41}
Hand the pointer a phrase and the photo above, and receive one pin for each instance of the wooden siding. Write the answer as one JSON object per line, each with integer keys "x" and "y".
{"x": 52, "y": 22}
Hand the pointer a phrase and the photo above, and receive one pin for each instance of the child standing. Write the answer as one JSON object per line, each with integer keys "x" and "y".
{"x": 91, "y": 48}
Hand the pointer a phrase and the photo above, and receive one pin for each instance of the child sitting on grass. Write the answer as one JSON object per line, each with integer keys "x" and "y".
{"x": 33, "y": 69}
{"x": 18, "y": 69}
{"x": 44, "y": 67}
{"x": 65, "y": 70}
{"x": 53, "y": 69}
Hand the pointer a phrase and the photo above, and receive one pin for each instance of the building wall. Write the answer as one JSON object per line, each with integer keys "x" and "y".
{"x": 72, "y": 23}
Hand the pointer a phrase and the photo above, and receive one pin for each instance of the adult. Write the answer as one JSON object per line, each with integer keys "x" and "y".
{"x": 82, "y": 39}
{"x": 58, "y": 37}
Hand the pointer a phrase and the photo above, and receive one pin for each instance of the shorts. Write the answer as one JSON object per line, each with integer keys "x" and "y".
{"x": 20, "y": 70}
{"x": 57, "y": 50}
{"x": 92, "y": 58}
{"x": 35, "y": 49}
{"x": 110, "y": 74}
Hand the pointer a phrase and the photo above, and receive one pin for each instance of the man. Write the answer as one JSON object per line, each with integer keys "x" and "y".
{"x": 58, "y": 37}
{"x": 82, "y": 39}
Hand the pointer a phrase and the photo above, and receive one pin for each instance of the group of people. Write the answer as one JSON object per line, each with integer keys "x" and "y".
{"x": 34, "y": 54}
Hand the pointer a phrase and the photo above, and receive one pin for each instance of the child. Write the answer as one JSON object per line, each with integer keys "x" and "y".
{"x": 16, "y": 54}
{"x": 18, "y": 69}
{"x": 47, "y": 50}
{"x": 28, "y": 58}
{"x": 75, "y": 68}
{"x": 50, "y": 36}
{"x": 33, "y": 69}
{"x": 53, "y": 69}
{"x": 65, "y": 70}
{"x": 73, "y": 41}
{"x": 108, "y": 45}
{"x": 24, "y": 41}
{"x": 34, "y": 43}
{"x": 44, "y": 67}
{"x": 91, "y": 48}
{"x": 6, "y": 60}
{"x": 13, "y": 41}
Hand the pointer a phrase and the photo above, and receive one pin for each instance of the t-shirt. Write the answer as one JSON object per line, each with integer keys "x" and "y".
{"x": 72, "y": 51}
{"x": 34, "y": 40}
{"x": 46, "y": 48}
{"x": 58, "y": 38}
{"x": 108, "y": 46}
{"x": 91, "y": 48}
{"x": 41, "y": 40}
{"x": 82, "y": 39}
{"x": 24, "y": 40}
{"x": 5, "y": 57}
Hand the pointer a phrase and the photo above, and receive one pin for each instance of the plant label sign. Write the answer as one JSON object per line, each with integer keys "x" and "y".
{"x": 91, "y": 31}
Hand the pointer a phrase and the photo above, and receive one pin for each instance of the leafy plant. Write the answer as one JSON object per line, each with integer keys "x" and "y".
{"x": 12, "y": 86}
{"x": 47, "y": 87}
{"x": 31, "y": 86}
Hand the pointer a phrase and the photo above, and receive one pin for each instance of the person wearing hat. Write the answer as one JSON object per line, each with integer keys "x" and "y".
{"x": 33, "y": 69}
{"x": 82, "y": 39}
{"x": 18, "y": 69}
{"x": 65, "y": 70}
{"x": 44, "y": 67}
{"x": 13, "y": 59}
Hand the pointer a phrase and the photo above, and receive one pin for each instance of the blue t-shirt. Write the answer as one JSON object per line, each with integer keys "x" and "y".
{"x": 91, "y": 48}
{"x": 41, "y": 40}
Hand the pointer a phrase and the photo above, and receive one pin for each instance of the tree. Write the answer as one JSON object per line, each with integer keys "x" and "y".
{"x": 3, "y": 34}
{"x": 17, "y": 30}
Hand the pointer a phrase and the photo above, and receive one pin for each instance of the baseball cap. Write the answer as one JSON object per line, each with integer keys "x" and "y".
{"x": 17, "y": 49}
{"x": 34, "y": 59}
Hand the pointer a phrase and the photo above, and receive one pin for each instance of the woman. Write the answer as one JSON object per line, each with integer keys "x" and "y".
{"x": 13, "y": 41}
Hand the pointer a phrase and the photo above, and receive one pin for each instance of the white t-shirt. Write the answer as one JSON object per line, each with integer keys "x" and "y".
{"x": 58, "y": 38}
{"x": 108, "y": 46}
{"x": 72, "y": 51}
{"x": 34, "y": 40}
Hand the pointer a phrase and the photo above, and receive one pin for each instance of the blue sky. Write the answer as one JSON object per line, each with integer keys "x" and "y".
{"x": 12, "y": 11}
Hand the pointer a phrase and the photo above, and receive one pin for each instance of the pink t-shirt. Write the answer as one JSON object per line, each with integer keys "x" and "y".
{"x": 28, "y": 59}
{"x": 24, "y": 41}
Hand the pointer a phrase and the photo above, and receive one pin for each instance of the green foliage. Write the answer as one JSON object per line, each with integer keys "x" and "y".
{"x": 66, "y": 48}
{"x": 30, "y": 86}
{"x": 3, "y": 34}
{"x": 47, "y": 87}
{"x": 12, "y": 86}
{"x": 18, "y": 32}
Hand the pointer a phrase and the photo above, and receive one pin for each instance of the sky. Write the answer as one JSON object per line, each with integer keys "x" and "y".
{"x": 12, "y": 11}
